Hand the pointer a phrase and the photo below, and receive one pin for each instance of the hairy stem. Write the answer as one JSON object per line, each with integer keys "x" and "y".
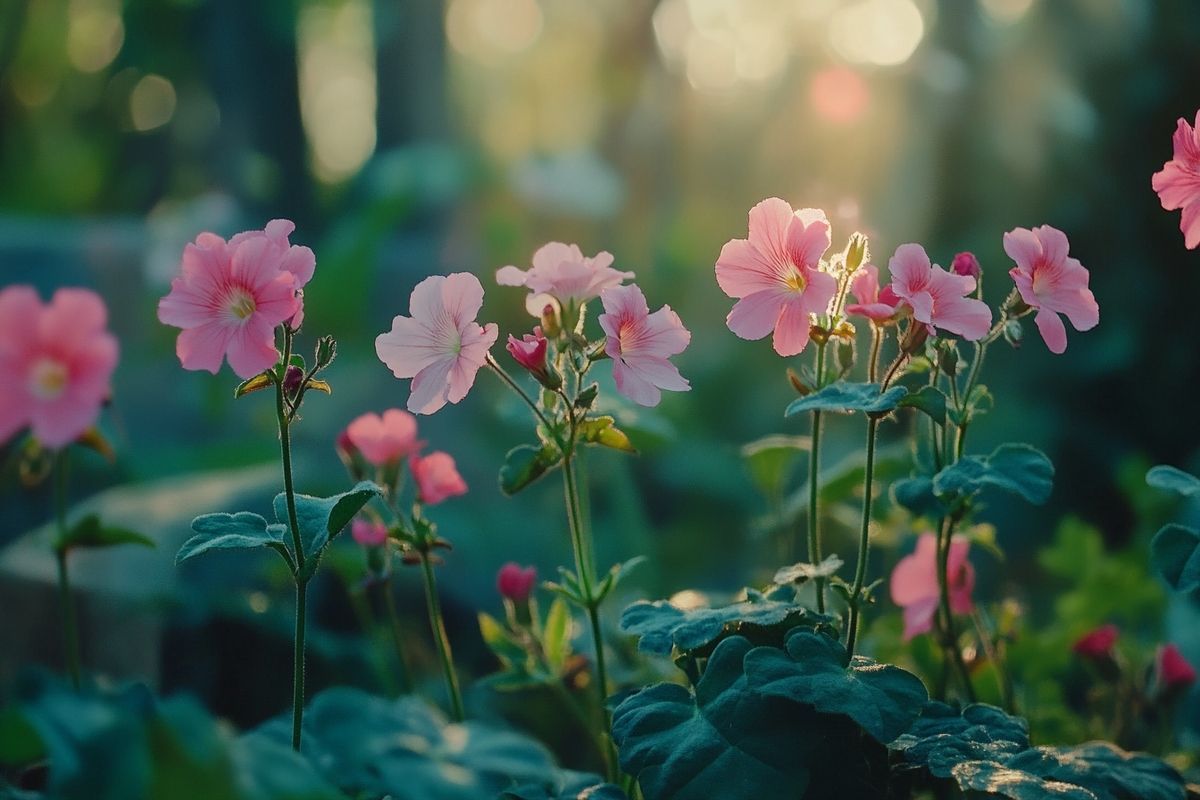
{"x": 950, "y": 632}
{"x": 298, "y": 664}
{"x": 440, "y": 638}
{"x": 864, "y": 539}
{"x": 814, "y": 490}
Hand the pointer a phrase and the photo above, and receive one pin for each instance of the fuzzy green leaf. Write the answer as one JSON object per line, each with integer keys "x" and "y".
{"x": 848, "y": 398}
{"x": 1175, "y": 480}
{"x": 89, "y": 532}
{"x": 1175, "y": 555}
{"x": 526, "y": 463}
{"x": 242, "y": 530}
{"x": 322, "y": 518}
{"x": 1015, "y": 468}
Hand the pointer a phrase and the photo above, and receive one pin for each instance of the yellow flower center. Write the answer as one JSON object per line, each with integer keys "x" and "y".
{"x": 241, "y": 305}
{"x": 48, "y": 379}
{"x": 795, "y": 280}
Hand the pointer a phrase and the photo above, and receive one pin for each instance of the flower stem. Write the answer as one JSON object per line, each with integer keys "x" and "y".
{"x": 389, "y": 600}
{"x": 864, "y": 541}
{"x": 70, "y": 628}
{"x": 516, "y": 387}
{"x": 440, "y": 638}
{"x": 814, "y": 463}
{"x": 298, "y": 664}
{"x": 950, "y": 633}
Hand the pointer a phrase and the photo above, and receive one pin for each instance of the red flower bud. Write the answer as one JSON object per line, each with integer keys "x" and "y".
{"x": 516, "y": 583}
{"x": 1172, "y": 672}
{"x": 1098, "y": 644}
{"x": 966, "y": 264}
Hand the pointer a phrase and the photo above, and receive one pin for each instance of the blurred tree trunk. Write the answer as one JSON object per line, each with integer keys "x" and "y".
{"x": 410, "y": 71}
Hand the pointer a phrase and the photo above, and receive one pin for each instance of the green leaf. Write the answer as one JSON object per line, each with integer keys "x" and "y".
{"x": 262, "y": 380}
{"x": 928, "y": 399}
{"x": 1015, "y": 468}
{"x": 1175, "y": 480}
{"x": 916, "y": 494}
{"x": 19, "y": 742}
{"x": 799, "y": 573}
{"x": 942, "y": 738}
{"x": 268, "y": 769}
{"x": 501, "y": 642}
{"x": 322, "y": 518}
{"x": 1104, "y": 769}
{"x": 526, "y": 463}
{"x": 770, "y": 460}
{"x": 615, "y": 575}
{"x": 89, "y": 532}
{"x": 883, "y": 699}
{"x": 602, "y": 431}
{"x": 848, "y": 398}
{"x": 242, "y": 530}
{"x": 722, "y": 740}
{"x": 1175, "y": 555}
{"x": 556, "y": 634}
{"x": 567, "y": 786}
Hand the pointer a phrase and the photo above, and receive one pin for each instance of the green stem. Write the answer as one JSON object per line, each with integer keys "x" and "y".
{"x": 298, "y": 664}
{"x": 440, "y": 638}
{"x": 516, "y": 387}
{"x": 814, "y": 465}
{"x": 70, "y": 627}
{"x": 864, "y": 541}
{"x": 950, "y": 632}
{"x": 389, "y": 600}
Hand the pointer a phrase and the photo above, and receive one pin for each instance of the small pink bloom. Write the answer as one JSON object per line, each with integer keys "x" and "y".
{"x": 515, "y": 583}
{"x": 440, "y": 346}
{"x": 561, "y": 272}
{"x": 877, "y": 305}
{"x": 529, "y": 351}
{"x": 775, "y": 275}
{"x": 938, "y": 298}
{"x": 914, "y": 583}
{"x": 437, "y": 478}
{"x": 56, "y": 363}
{"x": 230, "y": 297}
{"x": 1178, "y": 183}
{"x": 640, "y": 343}
{"x": 966, "y": 264}
{"x": 296, "y": 259}
{"x": 1098, "y": 644}
{"x": 368, "y": 533}
{"x": 1172, "y": 671}
{"x": 386, "y": 439}
{"x": 1051, "y": 282}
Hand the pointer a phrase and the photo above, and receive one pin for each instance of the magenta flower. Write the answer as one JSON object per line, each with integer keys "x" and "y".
{"x": 385, "y": 439}
{"x": 529, "y": 351}
{"x": 56, "y": 363}
{"x": 562, "y": 274}
{"x": 966, "y": 264}
{"x": 640, "y": 344}
{"x": 877, "y": 305}
{"x": 368, "y": 533}
{"x": 437, "y": 478}
{"x": 1051, "y": 282}
{"x": 938, "y": 298}
{"x": 1172, "y": 671}
{"x": 230, "y": 297}
{"x": 914, "y": 583}
{"x": 1178, "y": 183}
{"x": 1098, "y": 644}
{"x": 775, "y": 275}
{"x": 440, "y": 346}
{"x": 514, "y": 583}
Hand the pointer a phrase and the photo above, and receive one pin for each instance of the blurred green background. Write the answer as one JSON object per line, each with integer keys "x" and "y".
{"x": 420, "y": 137}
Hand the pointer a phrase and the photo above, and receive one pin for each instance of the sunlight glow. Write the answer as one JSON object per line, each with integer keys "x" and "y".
{"x": 151, "y": 103}
{"x": 718, "y": 44}
{"x": 1006, "y": 12}
{"x": 488, "y": 30}
{"x": 95, "y": 33}
{"x": 883, "y": 32}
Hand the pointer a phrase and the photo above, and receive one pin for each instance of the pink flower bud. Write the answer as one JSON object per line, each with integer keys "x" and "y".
{"x": 516, "y": 583}
{"x": 1172, "y": 671}
{"x": 966, "y": 264}
{"x": 367, "y": 533}
{"x": 1098, "y": 644}
{"x": 530, "y": 351}
{"x": 292, "y": 379}
{"x": 437, "y": 478}
{"x": 384, "y": 439}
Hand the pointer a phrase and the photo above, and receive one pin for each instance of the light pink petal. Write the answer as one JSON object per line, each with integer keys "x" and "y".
{"x": 253, "y": 263}
{"x": 551, "y": 255}
{"x": 969, "y": 318}
{"x": 918, "y": 617}
{"x": 1054, "y": 333}
{"x": 808, "y": 237}
{"x": 1023, "y": 247}
{"x": 301, "y": 262}
{"x": 792, "y": 327}
{"x": 72, "y": 317}
{"x": 275, "y": 301}
{"x": 185, "y": 306}
{"x": 819, "y": 291}
{"x": 408, "y": 347}
{"x": 462, "y": 296}
{"x": 511, "y": 276}
{"x": 1080, "y": 307}
{"x": 1054, "y": 243}
{"x": 659, "y": 371}
{"x": 769, "y": 221}
{"x": 251, "y": 348}
{"x": 864, "y": 285}
{"x": 743, "y": 271}
{"x": 1176, "y": 185}
{"x": 430, "y": 387}
{"x": 279, "y": 230}
{"x": 204, "y": 347}
{"x": 205, "y": 265}
{"x": 755, "y": 315}
{"x": 1190, "y": 225}
{"x": 427, "y": 303}
{"x": 476, "y": 343}
{"x": 962, "y": 584}
{"x": 61, "y": 421}
{"x": 916, "y": 573}
{"x": 20, "y": 309}
{"x": 1024, "y": 283}
{"x": 909, "y": 267}
{"x": 665, "y": 334}
{"x": 634, "y": 386}
{"x": 92, "y": 365}
{"x": 922, "y": 306}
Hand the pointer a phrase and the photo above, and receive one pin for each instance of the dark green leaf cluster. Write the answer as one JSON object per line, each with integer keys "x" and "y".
{"x": 1175, "y": 549}
{"x": 1016, "y": 469}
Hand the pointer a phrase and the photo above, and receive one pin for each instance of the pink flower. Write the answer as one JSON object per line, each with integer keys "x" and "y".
{"x": 914, "y": 583}
{"x": 440, "y": 346}
{"x": 386, "y": 439}
{"x": 775, "y": 275}
{"x": 1178, "y": 183}
{"x": 640, "y": 343}
{"x": 1051, "y": 282}
{"x": 294, "y": 258}
{"x": 368, "y": 533}
{"x": 938, "y": 298}
{"x": 529, "y": 351}
{"x": 1098, "y": 644}
{"x": 877, "y": 305}
{"x": 1172, "y": 671}
{"x": 229, "y": 298}
{"x": 514, "y": 583}
{"x": 56, "y": 363}
{"x": 966, "y": 264}
{"x": 437, "y": 478}
{"x": 562, "y": 273}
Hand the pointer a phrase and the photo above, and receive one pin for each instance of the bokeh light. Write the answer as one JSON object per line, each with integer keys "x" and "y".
{"x": 883, "y": 32}
{"x": 151, "y": 103}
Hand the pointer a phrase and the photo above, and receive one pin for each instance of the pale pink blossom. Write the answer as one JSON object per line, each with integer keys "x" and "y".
{"x": 441, "y": 346}
{"x": 386, "y": 439}
{"x": 230, "y": 296}
{"x": 1178, "y": 182}
{"x": 877, "y": 305}
{"x": 562, "y": 275}
{"x": 937, "y": 297}
{"x": 914, "y": 583}
{"x": 56, "y": 363}
{"x": 775, "y": 275}
{"x": 1051, "y": 282}
{"x": 640, "y": 343}
{"x": 437, "y": 478}
{"x": 296, "y": 259}
{"x": 368, "y": 533}
{"x": 516, "y": 583}
{"x": 529, "y": 351}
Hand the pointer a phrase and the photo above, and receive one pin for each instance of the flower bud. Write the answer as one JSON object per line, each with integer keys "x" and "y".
{"x": 530, "y": 352}
{"x": 516, "y": 583}
{"x": 948, "y": 358}
{"x": 818, "y": 334}
{"x": 292, "y": 380}
{"x": 1172, "y": 672}
{"x": 798, "y": 383}
{"x": 967, "y": 265}
{"x": 856, "y": 252}
{"x": 1013, "y": 332}
{"x": 1098, "y": 644}
{"x": 551, "y": 320}
{"x": 914, "y": 337}
{"x": 326, "y": 351}
{"x": 368, "y": 533}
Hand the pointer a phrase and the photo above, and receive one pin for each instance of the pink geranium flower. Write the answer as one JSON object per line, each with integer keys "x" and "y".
{"x": 440, "y": 346}
{"x": 562, "y": 274}
{"x": 368, "y": 533}
{"x": 775, "y": 275}
{"x": 937, "y": 297}
{"x": 56, "y": 363}
{"x": 1097, "y": 644}
{"x": 640, "y": 344}
{"x": 294, "y": 258}
{"x": 914, "y": 583}
{"x": 437, "y": 478}
{"x": 1178, "y": 183}
{"x": 1171, "y": 670}
{"x": 514, "y": 583}
{"x": 230, "y": 296}
{"x": 529, "y": 351}
{"x": 877, "y": 305}
{"x": 1051, "y": 282}
{"x": 385, "y": 439}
